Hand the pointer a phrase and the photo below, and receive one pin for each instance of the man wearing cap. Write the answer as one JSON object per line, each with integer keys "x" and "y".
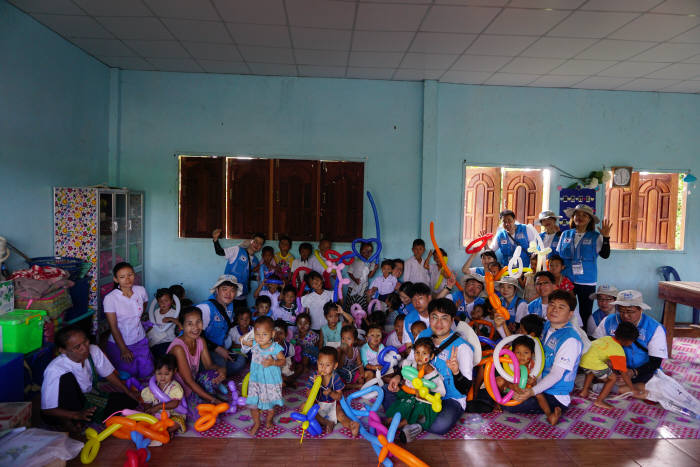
{"x": 240, "y": 262}
{"x": 512, "y": 235}
{"x": 464, "y": 301}
{"x": 218, "y": 318}
{"x": 604, "y": 296}
{"x": 550, "y": 237}
{"x": 580, "y": 247}
{"x": 645, "y": 355}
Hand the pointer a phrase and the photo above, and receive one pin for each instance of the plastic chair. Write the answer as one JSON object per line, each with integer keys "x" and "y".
{"x": 667, "y": 272}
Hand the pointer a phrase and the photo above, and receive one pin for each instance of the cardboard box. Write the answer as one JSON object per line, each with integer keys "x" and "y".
{"x": 14, "y": 414}
{"x": 7, "y": 296}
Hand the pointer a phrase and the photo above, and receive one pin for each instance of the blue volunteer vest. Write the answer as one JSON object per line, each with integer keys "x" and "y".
{"x": 480, "y": 271}
{"x": 598, "y": 316}
{"x": 555, "y": 242}
{"x": 507, "y": 248}
{"x": 218, "y": 326}
{"x": 551, "y": 346}
{"x": 462, "y": 305}
{"x": 635, "y": 355}
{"x": 512, "y": 307}
{"x": 439, "y": 362}
{"x": 241, "y": 267}
{"x": 410, "y": 318}
{"x": 586, "y": 253}
{"x": 535, "y": 308}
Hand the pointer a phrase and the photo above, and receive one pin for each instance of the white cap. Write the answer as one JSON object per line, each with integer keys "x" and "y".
{"x": 227, "y": 278}
{"x": 511, "y": 281}
{"x": 546, "y": 215}
{"x": 605, "y": 289}
{"x": 631, "y": 298}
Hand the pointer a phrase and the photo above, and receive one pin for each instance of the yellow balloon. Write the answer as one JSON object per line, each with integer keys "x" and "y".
{"x": 244, "y": 386}
{"x": 312, "y": 396}
{"x": 92, "y": 446}
{"x": 305, "y": 425}
{"x": 143, "y": 417}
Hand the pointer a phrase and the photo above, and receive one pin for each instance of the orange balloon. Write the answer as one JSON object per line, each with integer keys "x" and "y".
{"x": 492, "y": 332}
{"x": 490, "y": 389}
{"x": 440, "y": 258}
{"x": 493, "y": 298}
{"x": 128, "y": 425}
{"x": 400, "y": 453}
{"x": 208, "y": 414}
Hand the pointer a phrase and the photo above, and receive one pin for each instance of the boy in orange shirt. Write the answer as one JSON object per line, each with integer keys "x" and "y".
{"x": 606, "y": 356}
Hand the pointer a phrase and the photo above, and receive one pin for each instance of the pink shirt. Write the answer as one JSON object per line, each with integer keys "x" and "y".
{"x": 192, "y": 360}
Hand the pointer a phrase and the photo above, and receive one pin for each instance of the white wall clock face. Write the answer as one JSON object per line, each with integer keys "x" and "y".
{"x": 622, "y": 176}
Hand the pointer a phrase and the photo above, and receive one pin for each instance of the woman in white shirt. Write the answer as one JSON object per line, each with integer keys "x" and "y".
{"x": 68, "y": 393}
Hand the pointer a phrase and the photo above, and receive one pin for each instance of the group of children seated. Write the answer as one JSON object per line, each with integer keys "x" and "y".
{"x": 291, "y": 336}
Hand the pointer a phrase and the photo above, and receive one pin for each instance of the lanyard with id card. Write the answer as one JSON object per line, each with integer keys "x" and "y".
{"x": 576, "y": 264}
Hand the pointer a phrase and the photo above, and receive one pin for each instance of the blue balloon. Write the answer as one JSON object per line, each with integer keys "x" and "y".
{"x": 298, "y": 416}
{"x": 487, "y": 341}
{"x": 393, "y": 427}
{"x": 311, "y": 414}
{"x": 349, "y": 411}
{"x": 141, "y": 443}
{"x": 377, "y": 402}
{"x": 382, "y": 353}
{"x": 378, "y": 239}
{"x": 314, "y": 428}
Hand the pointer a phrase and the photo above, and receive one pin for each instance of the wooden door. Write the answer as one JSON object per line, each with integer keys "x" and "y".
{"x": 482, "y": 199}
{"x": 621, "y": 210}
{"x": 522, "y": 193}
{"x": 657, "y": 204}
{"x": 202, "y": 202}
{"x": 296, "y": 199}
{"x": 341, "y": 200}
{"x": 249, "y": 197}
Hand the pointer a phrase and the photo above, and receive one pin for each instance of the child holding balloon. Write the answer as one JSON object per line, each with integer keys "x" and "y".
{"x": 349, "y": 356}
{"x": 308, "y": 340}
{"x": 416, "y": 412}
{"x": 168, "y": 393}
{"x": 265, "y": 384}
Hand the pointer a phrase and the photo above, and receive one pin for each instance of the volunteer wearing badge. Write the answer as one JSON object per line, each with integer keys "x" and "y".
{"x": 512, "y": 235}
{"x": 580, "y": 247}
{"x": 644, "y": 357}
{"x": 551, "y": 235}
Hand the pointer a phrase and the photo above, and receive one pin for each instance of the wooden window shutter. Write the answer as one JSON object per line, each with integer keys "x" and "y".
{"x": 202, "y": 202}
{"x": 621, "y": 210}
{"x": 296, "y": 199}
{"x": 522, "y": 193}
{"x": 657, "y": 203}
{"x": 341, "y": 200}
{"x": 482, "y": 198}
{"x": 249, "y": 197}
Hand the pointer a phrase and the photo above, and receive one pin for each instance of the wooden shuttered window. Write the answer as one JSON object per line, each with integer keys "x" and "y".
{"x": 342, "y": 195}
{"x": 304, "y": 199}
{"x": 488, "y": 190}
{"x": 522, "y": 193}
{"x": 202, "y": 196}
{"x": 482, "y": 199}
{"x": 643, "y": 214}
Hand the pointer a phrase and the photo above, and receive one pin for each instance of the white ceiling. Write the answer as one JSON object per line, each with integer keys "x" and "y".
{"x": 636, "y": 45}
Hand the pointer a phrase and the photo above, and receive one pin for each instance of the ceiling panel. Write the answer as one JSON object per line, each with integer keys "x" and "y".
{"x": 384, "y": 17}
{"x": 435, "y": 42}
{"x": 458, "y": 19}
{"x": 189, "y": 9}
{"x": 530, "y": 22}
{"x": 381, "y": 41}
{"x": 635, "y": 45}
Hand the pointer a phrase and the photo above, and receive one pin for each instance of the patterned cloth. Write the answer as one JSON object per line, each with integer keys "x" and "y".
{"x": 265, "y": 385}
{"x": 309, "y": 345}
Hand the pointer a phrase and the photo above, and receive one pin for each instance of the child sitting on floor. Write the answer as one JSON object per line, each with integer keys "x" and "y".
{"x": 262, "y": 307}
{"x": 288, "y": 351}
{"x": 417, "y": 414}
{"x": 270, "y": 287}
{"x": 370, "y": 351}
{"x": 265, "y": 384}
{"x": 349, "y": 356}
{"x": 166, "y": 367}
{"x": 164, "y": 321}
{"x": 288, "y": 310}
{"x": 393, "y": 304}
{"x": 417, "y": 328}
{"x": 394, "y": 339}
{"x": 605, "y": 358}
{"x": 330, "y": 332}
{"x": 556, "y": 266}
{"x": 330, "y": 392}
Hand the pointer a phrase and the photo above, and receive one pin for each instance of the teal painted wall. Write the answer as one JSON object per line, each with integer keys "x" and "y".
{"x": 163, "y": 114}
{"x": 53, "y": 127}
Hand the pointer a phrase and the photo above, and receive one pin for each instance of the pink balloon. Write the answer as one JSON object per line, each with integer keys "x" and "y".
{"x": 357, "y": 313}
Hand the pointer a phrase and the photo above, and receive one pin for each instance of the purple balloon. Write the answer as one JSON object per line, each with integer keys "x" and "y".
{"x": 161, "y": 396}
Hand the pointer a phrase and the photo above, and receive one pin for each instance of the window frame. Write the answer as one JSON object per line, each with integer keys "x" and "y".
{"x": 546, "y": 188}
{"x": 682, "y": 188}
{"x": 271, "y": 222}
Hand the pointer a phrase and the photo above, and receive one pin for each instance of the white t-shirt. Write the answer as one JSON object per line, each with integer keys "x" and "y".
{"x": 83, "y": 375}
{"x": 234, "y": 337}
{"x": 384, "y": 285}
{"x": 298, "y": 263}
{"x": 360, "y": 270}
{"x": 548, "y": 238}
{"x": 413, "y": 271}
{"x": 393, "y": 339}
{"x": 316, "y": 265}
{"x": 128, "y": 312}
{"x": 275, "y": 299}
{"x": 434, "y": 274}
{"x": 314, "y": 302}
{"x": 566, "y": 358}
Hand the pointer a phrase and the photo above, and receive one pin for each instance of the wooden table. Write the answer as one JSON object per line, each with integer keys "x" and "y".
{"x": 673, "y": 292}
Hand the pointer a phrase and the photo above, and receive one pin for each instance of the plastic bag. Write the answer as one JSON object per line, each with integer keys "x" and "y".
{"x": 672, "y": 395}
{"x": 34, "y": 447}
